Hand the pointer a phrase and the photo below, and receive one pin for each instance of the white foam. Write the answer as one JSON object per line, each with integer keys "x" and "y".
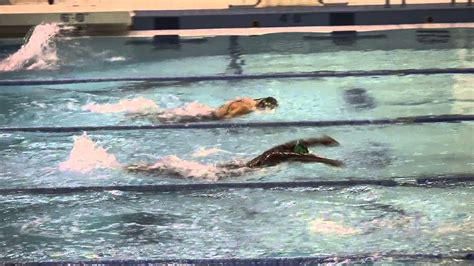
{"x": 138, "y": 105}
{"x": 202, "y": 152}
{"x": 38, "y": 51}
{"x": 86, "y": 156}
{"x": 187, "y": 169}
{"x": 116, "y": 59}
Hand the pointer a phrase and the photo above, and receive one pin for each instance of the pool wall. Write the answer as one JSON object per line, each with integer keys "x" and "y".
{"x": 302, "y": 16}
{"x": 16, "y": 22}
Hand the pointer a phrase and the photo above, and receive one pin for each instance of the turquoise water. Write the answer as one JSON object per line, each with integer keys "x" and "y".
{"x": 299, "y": 99}
{"x": 369, "y": 153}
{"x": 236, "y": 223}
{"x": 242, "y": 223}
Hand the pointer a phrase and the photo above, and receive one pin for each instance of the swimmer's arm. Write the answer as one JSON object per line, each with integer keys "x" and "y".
{"x": 313, "y": 158}
{"x": 325, "y": 140}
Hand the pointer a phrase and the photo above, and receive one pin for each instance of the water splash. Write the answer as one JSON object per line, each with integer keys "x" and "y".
{"x": 187, "y": 169}
{"x": 143, "y": 106}
{"x": 38, "y": 51}
{"x": 202, "y": 152}
{"x": 86, "y": 156}
{"x": 138, "y": 105}
{"x": 191, "y": 109}
{"x": 172, "y": 165}
{"x": 116, "y": 59}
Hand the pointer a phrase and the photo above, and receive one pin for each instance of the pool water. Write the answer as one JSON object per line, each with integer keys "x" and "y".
{"x": 235, "y": 223}
{"x": 220, "y": 224}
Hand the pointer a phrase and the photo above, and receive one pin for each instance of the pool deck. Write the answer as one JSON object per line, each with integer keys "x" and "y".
{"x": 270, "y": 30}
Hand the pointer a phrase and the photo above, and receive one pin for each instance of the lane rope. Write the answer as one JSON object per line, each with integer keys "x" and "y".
{"x": 282, "y": 261}
{"x": 328, "y": 123}
{"x": 282, "y": 75}
{"x": 420, "y": 181}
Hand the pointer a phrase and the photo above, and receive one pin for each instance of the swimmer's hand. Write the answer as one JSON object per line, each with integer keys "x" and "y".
{"x": 335, "y": 163}
{"x": 324, "y": 140}
{"x": 329, "y": 142}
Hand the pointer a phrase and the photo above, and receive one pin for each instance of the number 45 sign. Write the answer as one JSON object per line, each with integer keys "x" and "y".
{"x": 73, "y": 17}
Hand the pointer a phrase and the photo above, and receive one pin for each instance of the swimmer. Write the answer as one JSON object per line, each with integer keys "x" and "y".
{"x": 244, "y": 106}
{"x": 293, "y": 151}
{"x": 235, "y": 108}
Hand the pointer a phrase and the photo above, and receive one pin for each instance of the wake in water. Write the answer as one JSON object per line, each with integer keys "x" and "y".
{"x": 87, "y": 156}
{"x": 38, "y": 51}
{"x": 145, "y": 108}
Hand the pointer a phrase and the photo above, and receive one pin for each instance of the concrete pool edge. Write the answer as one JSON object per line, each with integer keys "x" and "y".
{"x": 303, "y": 29}
{"x": 139, "y": 21}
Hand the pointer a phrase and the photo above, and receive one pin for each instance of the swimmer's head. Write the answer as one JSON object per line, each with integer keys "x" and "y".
{"x": 266, "y": 103}
{"x": 300, "y": 148}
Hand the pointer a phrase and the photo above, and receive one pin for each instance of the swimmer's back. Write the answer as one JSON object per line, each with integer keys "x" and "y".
{"x": 235, "y": 108}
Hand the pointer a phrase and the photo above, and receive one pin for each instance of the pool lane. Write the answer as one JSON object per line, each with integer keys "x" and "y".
{"x": 237, "y": 223}
{"x": 372, "y": 152}
{"x": 298, "y": 52}
{"x": 299, "y": 99}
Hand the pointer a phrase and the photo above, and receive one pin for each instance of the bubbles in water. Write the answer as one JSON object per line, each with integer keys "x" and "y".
{"x": 38, "y": 51}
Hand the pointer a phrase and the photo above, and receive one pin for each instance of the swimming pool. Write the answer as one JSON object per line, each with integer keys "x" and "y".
{"x": 223, "y": 223}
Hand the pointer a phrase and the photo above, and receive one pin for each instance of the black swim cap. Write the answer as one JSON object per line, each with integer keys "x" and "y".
{"x": 266, "y": 103}
{"x": 300, "y": 148}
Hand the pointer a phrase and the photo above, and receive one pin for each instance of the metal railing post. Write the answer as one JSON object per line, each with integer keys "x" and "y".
{"x": 387, "y": 3}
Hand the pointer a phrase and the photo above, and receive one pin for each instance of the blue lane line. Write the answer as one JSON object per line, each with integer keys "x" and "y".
{"x": 312, "y": 74}
{"x": 328, "y": 123}
{"x": 281, "y": 261}
{"x": 420, "y": 181}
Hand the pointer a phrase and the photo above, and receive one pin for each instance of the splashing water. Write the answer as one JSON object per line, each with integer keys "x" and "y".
{"x": 137, "y": 105}
{"x": 116, "y": 59}
{"x": 145, "y": 106}
{"x": 38, "y": 51}
{"x": 202, "y": 152}
{"x": 191, "y": 109}
{"x": 86, "y": 156}
{"x": 187, "y": 169}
